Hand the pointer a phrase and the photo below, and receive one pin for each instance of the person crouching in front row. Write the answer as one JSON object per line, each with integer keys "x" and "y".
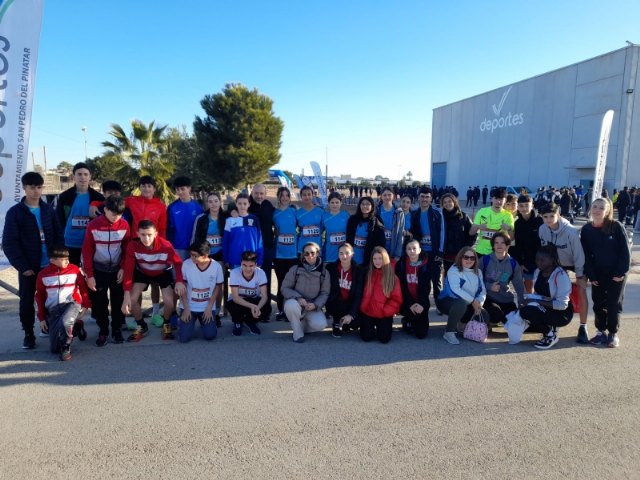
{"x": 306, "y": 289}
{"x": 347, "y": 279}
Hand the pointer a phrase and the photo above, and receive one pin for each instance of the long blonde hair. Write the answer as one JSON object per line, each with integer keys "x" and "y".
{"x": 608, "y": 221}
{"x": 388, "y": 276}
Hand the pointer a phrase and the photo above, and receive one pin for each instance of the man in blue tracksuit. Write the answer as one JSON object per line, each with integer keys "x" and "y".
{"x": 181, "y": 216}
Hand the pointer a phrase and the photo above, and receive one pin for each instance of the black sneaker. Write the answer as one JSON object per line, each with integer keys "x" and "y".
{"x": 599, "y": 339}
{"x": 139, "y": 333}
{"x": 265, "y": 319}
{"x": 29, "y": 342}
{"x": 546, "y": 342}
{"x": 218, "y": 321}
{"x": 337, "y": 331}
{"x": 101, "y": 341}
{"x": 237, "y": 330}
{"x": 65, "y": 352}
{"x": 117, "y": 337}
{"x": 583, "y": 335}
{"x": 79, "y": 331}
{"x": 281, "y": 317}
{"x": 253, "y": 328}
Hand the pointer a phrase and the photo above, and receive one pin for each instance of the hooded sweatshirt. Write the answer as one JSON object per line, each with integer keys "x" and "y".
{"x": 567, "y": 241}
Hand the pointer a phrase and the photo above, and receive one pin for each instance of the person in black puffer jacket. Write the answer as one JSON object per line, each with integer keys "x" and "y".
{"x": 527, "y": 239}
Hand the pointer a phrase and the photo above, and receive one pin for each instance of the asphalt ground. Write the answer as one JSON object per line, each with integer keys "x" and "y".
{"x": 264, "y": 407}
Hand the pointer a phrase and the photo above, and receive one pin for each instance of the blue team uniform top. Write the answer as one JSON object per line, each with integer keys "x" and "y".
{"x": 309, "y": 226}
{"x": 241, "y": 234}
{"x": 360, "y": 242}
{"x": 213, "y": 236}
{"x": 387, "y": 220}
{"x": 335, "y": 234}
{"x": 180, "y": 219}
{"x": 285, "y": 223}
{"x": 77, "y": 222}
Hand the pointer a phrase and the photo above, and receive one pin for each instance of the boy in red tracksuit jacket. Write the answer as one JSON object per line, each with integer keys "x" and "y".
{"x": 61, "y": 297}
{"x": 150, "y": 259}
{"x": 103, "y": 250}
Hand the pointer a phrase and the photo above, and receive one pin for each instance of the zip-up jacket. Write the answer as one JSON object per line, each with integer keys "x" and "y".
{"x": 559, "y": 287}
{"x": 397, "y": 231}
{"x": 314, "y": 286}
{"x": 21, "y": 240}
{"x": 264, "y": 212}
{"x": 374, "y": 304}
{"x": 241, "y": 234}
{"x": 56, "y": 286}
{"x": 375, "y": 235}
{"x": 436, "y": 228}
{"x": 357, "y": 284}
{"x": 201, "y": 226}
{"x": 65, "y": 202}
{"x": 104, "y": 245}
{"x": 507, "y": 273}
{"x": 150, "y": 261}
{"x": 605, "y": 254}
{"x": 141, "y": 208}
{"x": 181, "y": 217}
{"x": 567, "y": 240}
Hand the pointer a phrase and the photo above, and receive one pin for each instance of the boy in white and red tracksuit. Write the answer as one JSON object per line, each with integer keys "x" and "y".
{"x": 61, "y": 296}
{"x": 150, "y": 259}
{"x": 103, "y": 250}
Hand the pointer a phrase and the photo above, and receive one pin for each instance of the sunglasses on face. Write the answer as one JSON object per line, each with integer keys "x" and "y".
{"x": 310, "y": 254}
{"x": 468, "y": 257}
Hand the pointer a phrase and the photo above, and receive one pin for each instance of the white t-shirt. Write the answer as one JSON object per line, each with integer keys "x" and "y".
{"x": 247, "y": 288}
{"x": 201, "y": 283}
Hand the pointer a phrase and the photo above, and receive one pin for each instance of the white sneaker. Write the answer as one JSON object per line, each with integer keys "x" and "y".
{"x": 450, "y": 337}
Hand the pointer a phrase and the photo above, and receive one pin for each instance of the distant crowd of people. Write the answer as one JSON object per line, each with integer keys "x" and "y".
{"x": 347, "y": 272}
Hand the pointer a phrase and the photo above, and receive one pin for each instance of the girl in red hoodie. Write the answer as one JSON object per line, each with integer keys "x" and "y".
{"x": 381, "y": 300}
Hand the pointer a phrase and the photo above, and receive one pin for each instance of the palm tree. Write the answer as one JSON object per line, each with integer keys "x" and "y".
{"x": 147, "y": 151}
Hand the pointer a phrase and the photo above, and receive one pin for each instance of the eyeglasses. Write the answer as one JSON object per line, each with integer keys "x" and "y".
{"x": 468, "y": 257}
{"x": 310, "y": 254}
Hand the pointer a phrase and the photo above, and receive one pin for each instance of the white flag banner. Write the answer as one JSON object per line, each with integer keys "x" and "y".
{"x": 20, "y": 23}
{"x": 322, "y": 186}
{"x": 603, "y": 147}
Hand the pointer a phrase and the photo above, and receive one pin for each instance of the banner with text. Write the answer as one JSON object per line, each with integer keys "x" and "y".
{"x": 601, "y": 161}
{"x": 20, "y": 22}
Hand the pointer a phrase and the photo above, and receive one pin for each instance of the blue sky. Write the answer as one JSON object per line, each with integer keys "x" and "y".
{"x": 354, "y": 82}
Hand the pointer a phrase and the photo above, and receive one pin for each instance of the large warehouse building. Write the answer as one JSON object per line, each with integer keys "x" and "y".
{"x": 544, "y": 130}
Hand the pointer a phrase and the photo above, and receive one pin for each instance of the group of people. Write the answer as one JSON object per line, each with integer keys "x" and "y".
{"x": 352, "y": 273}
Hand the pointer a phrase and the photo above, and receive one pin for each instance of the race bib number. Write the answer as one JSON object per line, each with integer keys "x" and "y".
{"x": 311, "y": 231}
{"x": 360, "y": 242}
{"x": 42, "y": 239}
{"x": 426, "y": 240}
{"x": 200, "y": 294}
{"x": 387, "y": 234}
{"x": 286, "y": 239}
{"x": 79, "y": 223}
{"x": 487, "y": 235}
{"x": 214, "y": 240}
{"x": 337, "y": 238}
{"x": 247, "y": 292}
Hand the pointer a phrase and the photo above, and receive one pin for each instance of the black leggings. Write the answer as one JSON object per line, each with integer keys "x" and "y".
{"x": 372, "y": 328}
{"x": 498, "y": 311}
{"x": 419, "y": 322}
{"x": 543, "y": 321}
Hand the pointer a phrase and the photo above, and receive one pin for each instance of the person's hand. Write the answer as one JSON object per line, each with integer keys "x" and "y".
{"x": 310, "y": 307}
{"x": 93, "y": 211}
{"x": 346, "y": 320}
{"x": 207, "y": 316}
{"x": 595, "y": 283}
{"x": 185, "y": 316}
{"x": 120, "y": 276}
{"x": 495, "y": 287}
{"x": 180, "y": 289}
{"x": 43, "y": 326}
{"x": 28, "y": 273}
{"x": 477, "y": 307}
{"x": 255, "y": 311}
{"x": 126, "y": 304}
{"x": 581, "y": 282}
{"x": 617, "y": 279}
{"x": 91, "y": 283}
{"x": 416, "y": 308}
{"x": 302, "y": 302}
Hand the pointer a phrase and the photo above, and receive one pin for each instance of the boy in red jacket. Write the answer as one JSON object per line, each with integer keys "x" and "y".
{"x": 150, "y": 259}
{"x": 61, "y": 297}
{"x": 102, "y": 257}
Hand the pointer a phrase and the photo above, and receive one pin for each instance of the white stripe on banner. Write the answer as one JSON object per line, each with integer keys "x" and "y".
{"x": 20, "y": 22}
{"x": 601, "y": 161}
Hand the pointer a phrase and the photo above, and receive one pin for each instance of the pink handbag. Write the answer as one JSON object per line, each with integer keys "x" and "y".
{"x": 476, "y": 330}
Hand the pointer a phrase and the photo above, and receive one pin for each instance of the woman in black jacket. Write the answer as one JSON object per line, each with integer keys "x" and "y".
{"x": 347, "y": 280}
{"x": 413, "y": 272}
{"x": 365, "y": 231}
{"x": 457, "y": 226}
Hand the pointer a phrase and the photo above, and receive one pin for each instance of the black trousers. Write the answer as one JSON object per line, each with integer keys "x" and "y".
{"x": 107, "y": 290}
{"x": 27, "y": 293}
{"x": 281, "y": 267}
{"x": 75, "y": 256}
{"x": 435, "y": 272}
{"x": 607, "y": 303}
{"x": 241, "y": 314}
{"x": 419, "y": 322}
{"x": 498, "y": 311}
{"x": 372, "y": 328}
{"x": 543, "y": 321}
{"x": 339, "y": 309}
